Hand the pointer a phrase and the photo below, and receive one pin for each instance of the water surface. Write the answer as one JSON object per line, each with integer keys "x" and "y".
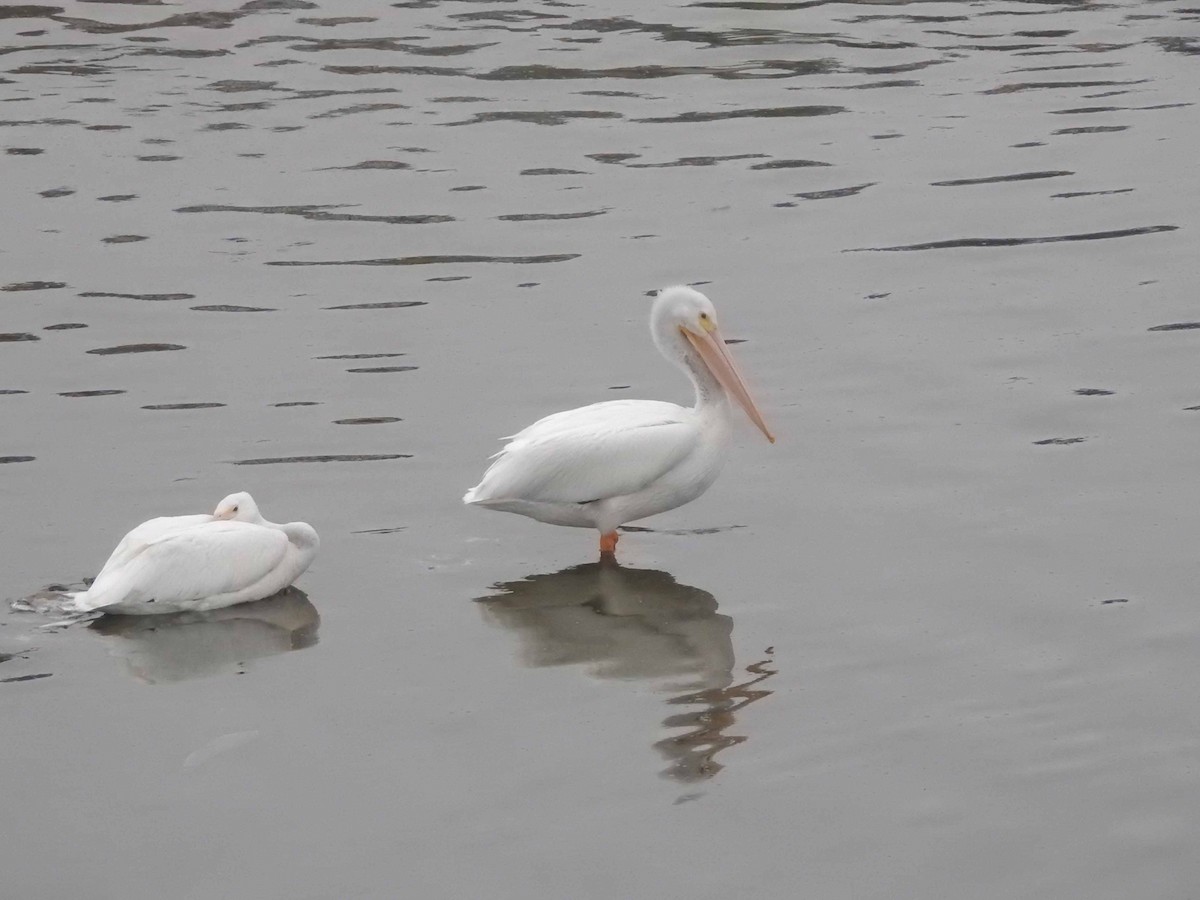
{"x": 938, "y": 641}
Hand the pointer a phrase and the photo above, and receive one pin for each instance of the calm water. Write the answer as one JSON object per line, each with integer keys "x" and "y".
{"x": 939, "y": 641}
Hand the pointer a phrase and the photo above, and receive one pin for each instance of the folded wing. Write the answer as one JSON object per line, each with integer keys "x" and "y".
{"x": 137, "y": 540}
{"x": 203, "y": 561}
{"x": 592, "y": 453}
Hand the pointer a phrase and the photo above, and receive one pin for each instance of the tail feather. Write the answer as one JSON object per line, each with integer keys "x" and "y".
{"x": 476, "y": 495}
{"x": 85, "y": 601}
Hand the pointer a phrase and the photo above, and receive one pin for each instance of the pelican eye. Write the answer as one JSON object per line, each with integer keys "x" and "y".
{"x": 235, "y": 509}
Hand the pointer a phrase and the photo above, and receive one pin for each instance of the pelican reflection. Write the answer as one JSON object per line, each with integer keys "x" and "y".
{"x": 625, "y": 623}
{"x": 166, "y": 648}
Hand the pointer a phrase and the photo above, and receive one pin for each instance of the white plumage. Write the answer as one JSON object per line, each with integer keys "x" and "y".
{"x": 177, "y": 563}
{"x": 602, "y": 450}
{"x": 603, "y": 465}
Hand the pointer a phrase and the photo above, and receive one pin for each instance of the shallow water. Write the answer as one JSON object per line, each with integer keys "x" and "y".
{"x": 938, "y": 641}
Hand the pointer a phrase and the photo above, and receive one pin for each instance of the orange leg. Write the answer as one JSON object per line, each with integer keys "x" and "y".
{"x": 608, "y": 544}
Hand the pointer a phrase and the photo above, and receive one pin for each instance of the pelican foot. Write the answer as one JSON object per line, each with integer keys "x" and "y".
{"x": 608, "y": 544}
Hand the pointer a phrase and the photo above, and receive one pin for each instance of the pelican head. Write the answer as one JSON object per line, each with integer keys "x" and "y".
{"x": 239, "y": 507}
{"x": 684, "y": 311}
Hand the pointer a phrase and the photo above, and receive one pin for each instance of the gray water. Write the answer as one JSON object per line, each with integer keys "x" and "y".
{"x": 939, "y": 641}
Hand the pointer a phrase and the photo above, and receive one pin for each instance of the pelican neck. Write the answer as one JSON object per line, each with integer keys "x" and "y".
{"x": 710, "y": 394}
{"x": 665, "y": 329}
{"x": 301, "y": 534}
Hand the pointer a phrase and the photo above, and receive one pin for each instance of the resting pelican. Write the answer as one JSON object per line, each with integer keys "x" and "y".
{"x": 196, "y": 563}
{"x": 603, "y": 465}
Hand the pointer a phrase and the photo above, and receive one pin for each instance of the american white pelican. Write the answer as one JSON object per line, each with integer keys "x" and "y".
{"x": 603, "y": 465}
{"x": 195, "y": 563}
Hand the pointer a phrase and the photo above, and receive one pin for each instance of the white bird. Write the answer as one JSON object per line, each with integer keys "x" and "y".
{"x": 603, "y": 465}
{"x": 196, "y": 563}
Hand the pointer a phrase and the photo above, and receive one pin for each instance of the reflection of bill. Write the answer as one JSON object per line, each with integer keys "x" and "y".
{"x": 177, "y": 647}
{"x": 625, "y": 623}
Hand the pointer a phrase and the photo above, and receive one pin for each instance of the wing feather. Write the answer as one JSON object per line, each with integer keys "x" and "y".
{"x": 137, "y": 539}
{"x": 203, "y": 561}
{"x": 592, "y": 453}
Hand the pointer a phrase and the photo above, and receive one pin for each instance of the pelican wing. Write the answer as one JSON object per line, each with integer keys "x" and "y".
{"x": 591, "y": 453}
{"x": 137, "y": 540}
{"x": 202, "y": 561}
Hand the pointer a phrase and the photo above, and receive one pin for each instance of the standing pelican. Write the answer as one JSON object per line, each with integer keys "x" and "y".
{"x": 196, "y": 563}
{"x": 603, "y": 465}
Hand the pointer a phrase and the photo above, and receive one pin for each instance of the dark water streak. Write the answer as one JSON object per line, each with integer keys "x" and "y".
{"x": 1016, "y": 242}
{"x": 430, "y": 261}
{"x": 135, "y": 348}
{"x": 324, "y": 458}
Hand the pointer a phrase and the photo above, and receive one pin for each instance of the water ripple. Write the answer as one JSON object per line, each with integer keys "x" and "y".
{"x": 356, "y": 109}
{"x": 694, "y": 161}
{"x": 184, "y": 406}
{"x": 361, "y": 356}
{"x": 835, "y": 193}
{"x": 386, "y": 44}
{"x": 774, "y": 112}
{"x": 996, "y": 179}
{"x": 384, "y": 304}
{"x": 325, "y": 458}
{"x": 372, "y": 164}
{"x": 181, "y": 20}
{"x": 135, "y": 348}
{"x": 545, "y": 217}
{"x": 1176, "y": 326}
{"x": 1092, "y": 129}
{"x": 426, "y": 261}
{"x": 317, "y": 213}
{"x": 1018, "y": 87}
{"x": 1017, "y": 241}
{"x": 150, "y": 297}
{"x": 227, "y": 307}
{"x": 1072, "y": 194}
{"x": 34, "y": 286}
{"x": 541, "y": 117}
{"x": 790, "y": 164}
{"x": 775, "y": 68}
